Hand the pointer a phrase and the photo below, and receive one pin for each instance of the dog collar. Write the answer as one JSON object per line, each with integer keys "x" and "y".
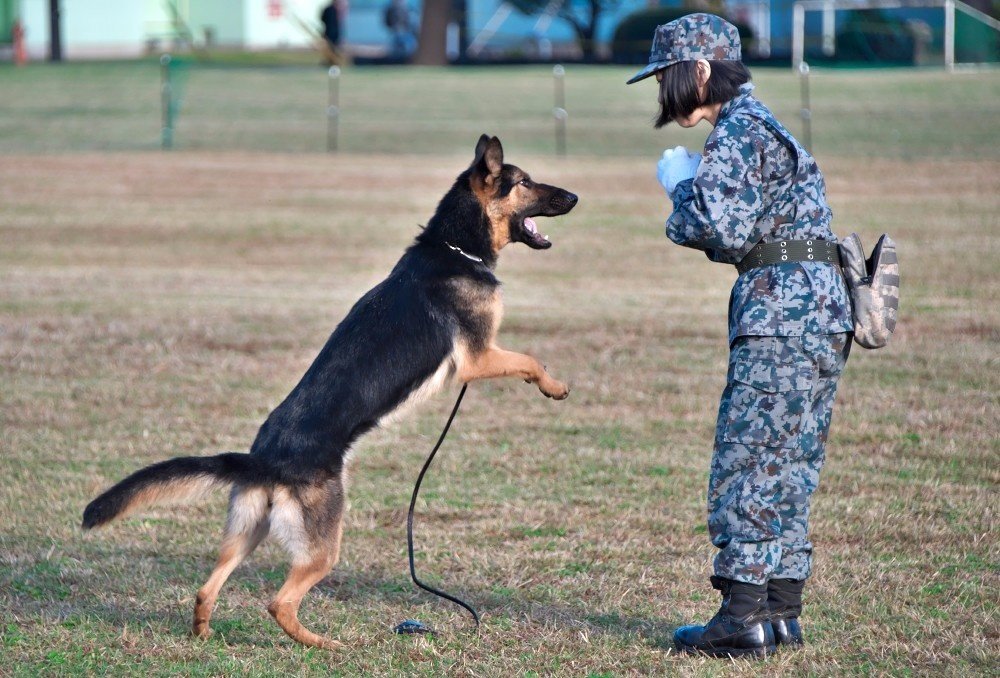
{"x": 464, "y": 253}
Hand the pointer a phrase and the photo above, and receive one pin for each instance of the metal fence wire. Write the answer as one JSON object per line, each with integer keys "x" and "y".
{"x": 573, "y": 110}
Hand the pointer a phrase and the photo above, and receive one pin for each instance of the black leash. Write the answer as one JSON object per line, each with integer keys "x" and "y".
{"x": 412, "y": 625}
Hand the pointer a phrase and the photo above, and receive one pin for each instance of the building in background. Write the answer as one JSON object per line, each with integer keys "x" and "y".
{"x": 131, "y": 28}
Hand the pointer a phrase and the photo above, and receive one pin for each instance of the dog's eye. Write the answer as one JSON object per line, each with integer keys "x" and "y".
{"x": 524, "y": 182}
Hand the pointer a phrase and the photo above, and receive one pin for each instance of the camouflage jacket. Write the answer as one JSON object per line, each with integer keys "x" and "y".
{"x": 756, "y": 183}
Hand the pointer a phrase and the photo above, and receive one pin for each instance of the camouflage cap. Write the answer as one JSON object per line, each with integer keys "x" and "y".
{"x": 692, "y": 37}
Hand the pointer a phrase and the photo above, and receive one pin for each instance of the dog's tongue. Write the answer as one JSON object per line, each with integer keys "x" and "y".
{"x": 532, "y": 237}
{"x": 532, "y": 228}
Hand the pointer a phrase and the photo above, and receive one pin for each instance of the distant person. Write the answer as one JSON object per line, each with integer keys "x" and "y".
{"x": 402, "y": 41}
{"x": 330, "y": 16}
{"x": 17, "y": 35}
{"x": 756, "y": 199}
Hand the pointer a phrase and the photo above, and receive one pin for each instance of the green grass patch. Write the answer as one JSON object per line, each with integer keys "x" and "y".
{"x": 160, "y": 304}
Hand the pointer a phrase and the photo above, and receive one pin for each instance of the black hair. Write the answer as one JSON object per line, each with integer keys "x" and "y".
{"x": 679, "y": 88}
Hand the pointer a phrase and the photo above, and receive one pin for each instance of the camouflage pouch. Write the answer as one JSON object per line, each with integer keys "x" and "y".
{"x": 873, "y": 285}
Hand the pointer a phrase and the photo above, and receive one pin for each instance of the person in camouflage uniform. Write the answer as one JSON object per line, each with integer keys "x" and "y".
{"x": 789, "y": 329}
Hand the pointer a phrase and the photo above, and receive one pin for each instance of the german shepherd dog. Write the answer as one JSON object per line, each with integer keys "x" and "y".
{"x": 434, "y": 320}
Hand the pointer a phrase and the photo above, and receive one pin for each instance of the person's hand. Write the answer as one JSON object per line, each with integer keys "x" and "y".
{"x": 676, "y": 165}
{"x": 661, "y": 167}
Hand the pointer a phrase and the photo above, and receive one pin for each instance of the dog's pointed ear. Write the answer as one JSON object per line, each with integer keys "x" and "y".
{"x": 494, "y": 157}
{"x": 481, "y": 145}
{"x": 489, "y": 159}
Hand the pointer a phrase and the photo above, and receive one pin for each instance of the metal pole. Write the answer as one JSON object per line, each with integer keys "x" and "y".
{"x": 806, "y": 111}
{"x": 559, "y": 110}
{"x": 798, "y": 34}
{"x": 166, "y": 104}
{"x": 764, "y": 22}
{"x": 829, "y": 30}
{"x": 333, "y": 110}
{"x": 949, "y": 35}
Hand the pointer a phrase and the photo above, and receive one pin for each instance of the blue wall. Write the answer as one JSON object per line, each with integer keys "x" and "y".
{"x": 364, "y": 22}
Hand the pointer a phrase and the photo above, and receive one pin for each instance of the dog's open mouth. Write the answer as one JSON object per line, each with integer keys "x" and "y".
{"x": 532, "y": 237}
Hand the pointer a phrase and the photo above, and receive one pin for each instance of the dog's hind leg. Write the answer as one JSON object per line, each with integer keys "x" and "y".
{"x": 246, "y": 527}
{"x": 309, "y": 522}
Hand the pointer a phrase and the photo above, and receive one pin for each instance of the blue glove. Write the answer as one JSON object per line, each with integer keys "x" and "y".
{"x": 676, "y": 165}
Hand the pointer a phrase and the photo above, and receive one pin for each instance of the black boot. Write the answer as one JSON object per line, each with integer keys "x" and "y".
{"x": 784, "y": 599}
{"x": 740, "y": 628}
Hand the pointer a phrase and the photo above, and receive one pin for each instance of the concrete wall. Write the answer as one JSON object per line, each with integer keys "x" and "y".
{"x": 124, "y": 28}
{"x": 223, "y": 18}
{"x": 90, "y": 28}
{"x": 263, "y": 29}
{"x": 35, "y": 17}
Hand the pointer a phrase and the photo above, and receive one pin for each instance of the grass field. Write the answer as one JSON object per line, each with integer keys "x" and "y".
{"x": 160, "y": 304}
{"x": 116, "y": 107}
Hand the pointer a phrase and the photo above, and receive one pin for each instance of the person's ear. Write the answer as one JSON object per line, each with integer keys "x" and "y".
{"x": 704, "y": 73}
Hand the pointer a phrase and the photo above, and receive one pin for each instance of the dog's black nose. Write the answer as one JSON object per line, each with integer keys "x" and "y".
{"x": 564, "y": 201}
{"x": 560, "y": 202}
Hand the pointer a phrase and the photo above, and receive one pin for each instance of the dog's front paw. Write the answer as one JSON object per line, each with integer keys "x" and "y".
{"x": 553, "y": 389}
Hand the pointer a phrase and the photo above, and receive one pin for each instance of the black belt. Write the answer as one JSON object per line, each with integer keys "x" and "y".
{"x": 766, "y": 254}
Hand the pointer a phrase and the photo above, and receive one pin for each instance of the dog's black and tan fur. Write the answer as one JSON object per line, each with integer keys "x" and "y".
{"x": 433, "y": 320}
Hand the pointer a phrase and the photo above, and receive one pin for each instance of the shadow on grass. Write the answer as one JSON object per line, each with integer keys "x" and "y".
{"x": 362, "y": 590}
{"x": 365, "y": 586}
{"x": 657, "y": 632}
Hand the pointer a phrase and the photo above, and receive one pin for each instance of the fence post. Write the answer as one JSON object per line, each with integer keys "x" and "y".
{"x": 949, "y": 35}
{"x": 559, "y": 110}
{"x": 806, "y": 111}
{"x": 829, "y": 29}
{"x": 166, "y": 104}
{"x": 333, "y": 110}
{"x": 798, "y": 34}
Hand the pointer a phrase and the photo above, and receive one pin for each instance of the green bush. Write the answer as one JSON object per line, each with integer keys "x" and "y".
{"x": 870, "y": 35}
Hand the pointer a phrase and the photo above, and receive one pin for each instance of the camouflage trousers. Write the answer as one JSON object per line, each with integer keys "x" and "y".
{"x": 769, "y": 448}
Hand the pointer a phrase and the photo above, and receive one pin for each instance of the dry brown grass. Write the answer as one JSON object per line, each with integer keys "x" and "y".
{"x": 160, "y": 305}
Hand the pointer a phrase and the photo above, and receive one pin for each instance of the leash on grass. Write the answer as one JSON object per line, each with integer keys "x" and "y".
{"x": 412, "y": 625}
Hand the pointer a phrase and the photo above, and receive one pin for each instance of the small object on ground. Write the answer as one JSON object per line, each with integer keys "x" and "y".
{"x": 411, "y": 626}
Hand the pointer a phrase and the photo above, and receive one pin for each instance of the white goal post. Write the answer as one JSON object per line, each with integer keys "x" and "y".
{"x": 829, "y": 7}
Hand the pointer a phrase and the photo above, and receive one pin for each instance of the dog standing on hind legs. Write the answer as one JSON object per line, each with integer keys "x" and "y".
{"x": 434, "y": 320}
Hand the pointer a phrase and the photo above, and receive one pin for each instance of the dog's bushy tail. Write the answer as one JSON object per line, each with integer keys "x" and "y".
{"x": 174, "y": 479}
